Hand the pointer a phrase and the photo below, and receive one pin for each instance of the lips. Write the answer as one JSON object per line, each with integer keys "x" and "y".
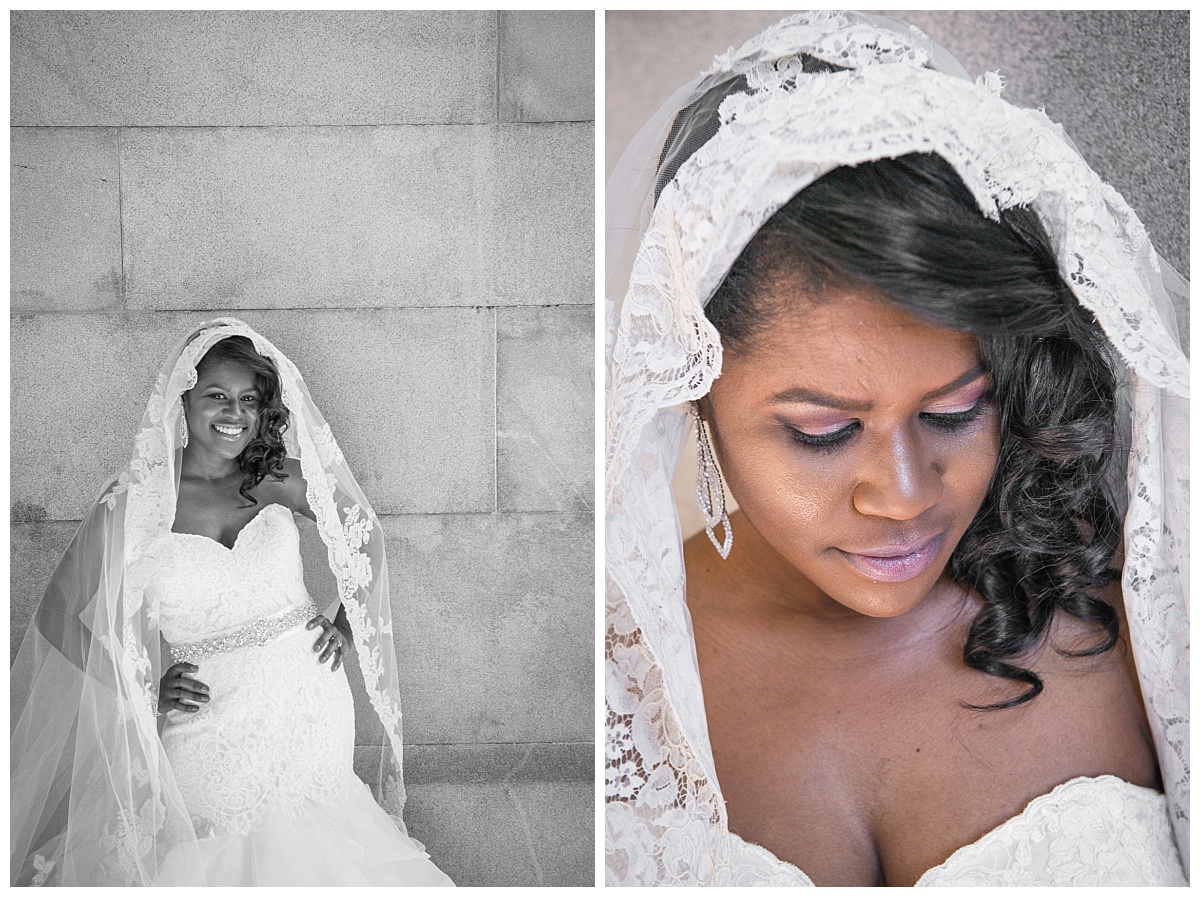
{"x": 229, "y": 432}
{"x": 896, "y": 563}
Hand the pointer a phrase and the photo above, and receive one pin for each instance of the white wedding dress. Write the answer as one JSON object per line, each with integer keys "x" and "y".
{"x": 1100, "y": 831}
{"x": 266, "y": 767}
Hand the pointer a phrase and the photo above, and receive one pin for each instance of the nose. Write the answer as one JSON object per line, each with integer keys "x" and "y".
{"x": 234, "y": 408}
{"x": 898, "y": 480}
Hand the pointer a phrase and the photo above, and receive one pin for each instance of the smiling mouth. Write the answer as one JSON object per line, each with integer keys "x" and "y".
{"x": 229, "y": 431}
{"x": 896, "y": 564}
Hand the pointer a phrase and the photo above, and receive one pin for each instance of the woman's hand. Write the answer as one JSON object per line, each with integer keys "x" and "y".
{"x": 333, "y": 640}
{"x": 177, "y": 690}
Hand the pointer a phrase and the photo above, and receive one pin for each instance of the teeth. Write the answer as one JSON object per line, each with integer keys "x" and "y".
{"x": 229, "y": 431}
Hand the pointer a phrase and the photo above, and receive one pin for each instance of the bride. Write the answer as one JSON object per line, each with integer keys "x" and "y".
{"x": 187, "y": 717}
{"x": 933, "y": 356}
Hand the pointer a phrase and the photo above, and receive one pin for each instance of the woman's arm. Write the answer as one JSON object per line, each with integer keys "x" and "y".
{"x": 336, "y": 637}
{"x": 292, "y": 490}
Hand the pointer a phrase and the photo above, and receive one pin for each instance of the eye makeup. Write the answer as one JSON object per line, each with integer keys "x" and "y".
{"x": 951, "y": 413}
{"x": 828, "y": 440}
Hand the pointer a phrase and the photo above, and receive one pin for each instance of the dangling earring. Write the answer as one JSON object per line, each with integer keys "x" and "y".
{"x": 709, "y": 490}
{"x": 183, "y": 433}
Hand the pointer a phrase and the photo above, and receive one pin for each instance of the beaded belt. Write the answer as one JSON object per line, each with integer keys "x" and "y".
{"x": 253, "y": 635}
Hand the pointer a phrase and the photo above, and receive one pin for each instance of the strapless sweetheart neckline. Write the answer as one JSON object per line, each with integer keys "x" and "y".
{"x": 238, "y": 537}
{"x": 1049, "y": 798}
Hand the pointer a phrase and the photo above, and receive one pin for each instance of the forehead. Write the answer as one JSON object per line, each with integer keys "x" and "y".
{"x": 226, "y": 372}
{"x": 849, "y": 340}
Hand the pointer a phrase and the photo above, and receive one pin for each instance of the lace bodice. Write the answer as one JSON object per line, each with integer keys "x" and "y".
{"x": 203, "y": 588}
{"x": 278, "y": 732}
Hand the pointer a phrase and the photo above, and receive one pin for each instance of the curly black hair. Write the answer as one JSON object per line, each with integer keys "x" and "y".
{"x": 265, "y": 454}
{"x": 1046, "y": 534}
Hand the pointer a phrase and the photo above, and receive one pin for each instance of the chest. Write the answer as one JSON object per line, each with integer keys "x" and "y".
{"x": 219, "y": 514}
{"x": 859, "y": 769}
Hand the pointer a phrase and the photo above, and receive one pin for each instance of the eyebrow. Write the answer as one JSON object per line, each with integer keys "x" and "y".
{"x": 212, "y": 384}
{"x": 800, "y": 394}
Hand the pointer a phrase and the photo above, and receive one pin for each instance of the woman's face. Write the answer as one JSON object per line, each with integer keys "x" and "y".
{"x": 222, "y": 408}
{"x": 859, "y": 442}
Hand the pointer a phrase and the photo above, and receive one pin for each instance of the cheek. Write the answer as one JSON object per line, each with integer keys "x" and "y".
{"x": 979, "y": 462}
{"x": 776, "y": 486}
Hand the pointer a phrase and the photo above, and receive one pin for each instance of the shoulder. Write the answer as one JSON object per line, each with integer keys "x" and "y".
{"x": 1089, "y": 720}
{"x": 291, "y": 491}
{"x": 1100, "y": 695}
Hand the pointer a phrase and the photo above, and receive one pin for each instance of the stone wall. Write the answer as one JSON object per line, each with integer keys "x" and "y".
{"x": 403, "y": 203}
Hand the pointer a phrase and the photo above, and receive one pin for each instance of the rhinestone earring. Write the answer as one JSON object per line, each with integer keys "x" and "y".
{"x": 709, "y": 490}
{"x": 183, "y": 431}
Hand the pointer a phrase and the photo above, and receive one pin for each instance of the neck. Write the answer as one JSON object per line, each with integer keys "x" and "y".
{"x": 204, "y": 466}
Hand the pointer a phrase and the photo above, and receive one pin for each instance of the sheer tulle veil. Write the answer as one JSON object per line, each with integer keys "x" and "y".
{"x": 93, "y": 800}
{"x": 781, "y": 127}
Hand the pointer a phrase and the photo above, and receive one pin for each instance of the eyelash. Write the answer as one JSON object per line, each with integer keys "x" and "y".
{"x": 253, "y": 400}
{"x": 831, "y": 441}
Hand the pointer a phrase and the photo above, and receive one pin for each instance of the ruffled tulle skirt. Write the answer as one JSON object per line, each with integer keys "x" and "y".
{"x": 266, "y": 772}
{"x": 347, "y": 843}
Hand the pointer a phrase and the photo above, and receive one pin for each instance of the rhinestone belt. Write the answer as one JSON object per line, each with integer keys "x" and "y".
{"x": 253, "y": 635}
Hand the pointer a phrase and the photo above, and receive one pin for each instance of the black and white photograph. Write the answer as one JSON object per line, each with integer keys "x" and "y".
{"x": 302, "y": 486}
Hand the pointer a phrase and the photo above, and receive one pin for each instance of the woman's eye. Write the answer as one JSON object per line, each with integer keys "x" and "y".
{"x": 826, "y": 440}
{"x": 250, "y": 400}
{"x": 953, "y": 420}
{"x": 219, "y": 396}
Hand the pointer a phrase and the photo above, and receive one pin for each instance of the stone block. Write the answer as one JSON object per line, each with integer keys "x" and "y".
{"x": 544, "y": 221}
{"x": 308, "y": 217}
{"x": 545, "y": 409}
{"x": 489, "y": 814}
{"x": 261, "y": 67}
{"x": 64, "y": 208}
{"x": 427, "y": 764}
{"x": 409, "y": 394}
{"x": 495, "y": 626}
{"x": 359, "y": 217}
{"x": 531, "y": 824}
{"x": 34, "y": 552}
{"x": 78, "y": 389}
{"x": 547, "y": 65}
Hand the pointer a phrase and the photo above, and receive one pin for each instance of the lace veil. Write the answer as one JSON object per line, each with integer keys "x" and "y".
{"x": 781, "y": 127}
{"x": 93, "y": 800}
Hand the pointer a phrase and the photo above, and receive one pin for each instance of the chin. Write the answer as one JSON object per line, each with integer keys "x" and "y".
{"x": 884, "y": 605}
{"x": 873, "y": 598}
